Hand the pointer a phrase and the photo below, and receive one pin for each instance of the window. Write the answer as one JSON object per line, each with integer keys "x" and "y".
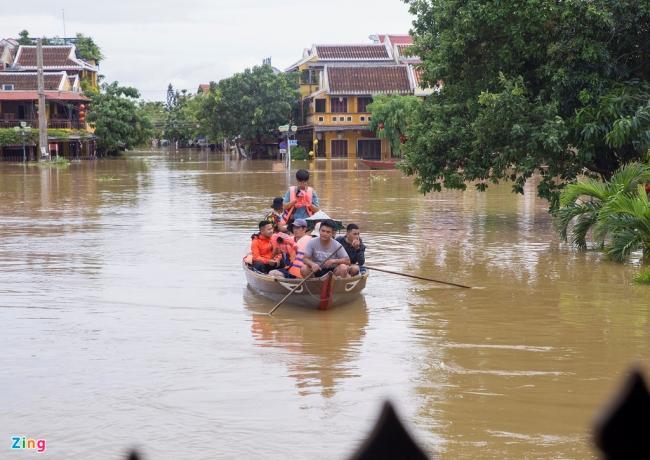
{"x": 21, "y": 112}
{"x": 321, "y": 118}
{"x": 349, "y": 118}
{"x": 7, "y": 87}
{"x": 340, "y": 148}
{"x": 307, "y": 77}
{"x": 320, "y": 106}
{"x": 363, "y": 103}
{"x": 362, "y": 118}
{"x": 339, "y": 104}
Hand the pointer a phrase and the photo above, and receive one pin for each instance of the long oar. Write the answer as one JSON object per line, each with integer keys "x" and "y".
{"x": 419, "y": 277}
{"x": 298, "y": 285}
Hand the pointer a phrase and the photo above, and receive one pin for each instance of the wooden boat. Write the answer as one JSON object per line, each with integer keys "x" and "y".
{"x": 324, "y": 292}
{"x": 376, "y": 164}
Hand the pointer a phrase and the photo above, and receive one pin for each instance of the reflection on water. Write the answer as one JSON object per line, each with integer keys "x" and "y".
{"x": 127, "y": 321}
{"x": 323, "y": 347}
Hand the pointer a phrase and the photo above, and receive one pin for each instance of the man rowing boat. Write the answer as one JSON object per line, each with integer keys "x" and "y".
{"x": 318, "y": 252}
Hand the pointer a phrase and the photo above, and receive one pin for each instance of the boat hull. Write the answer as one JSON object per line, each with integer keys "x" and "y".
{"x": 342, "y": 290}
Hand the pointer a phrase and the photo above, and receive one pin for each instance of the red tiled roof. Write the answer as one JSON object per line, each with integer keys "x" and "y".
{"x": 401, "y": 39}
{"x": 368, "y": 80}
{"x": 49, "y": 95}
{"x": 204, "y": 88}
{"x": 29, "y": 81}
{"x": 352, "y": 52}
{"x": 396, "y": 39}
{"x": 53, "y": 56}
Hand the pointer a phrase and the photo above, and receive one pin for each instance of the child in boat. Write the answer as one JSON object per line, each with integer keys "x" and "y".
{"x": 275, "y": 216}
{"x": 284, "y": 245}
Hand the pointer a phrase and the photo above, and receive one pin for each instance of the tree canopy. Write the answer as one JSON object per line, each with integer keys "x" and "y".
{"x": 87, "y": 49}
{"x": 118, "y": 122}
{"x": 555, "y": 88}
{"x": 24, "y": 38}
{"x": 250, "y": 104}
{"x": 391, "y": 115}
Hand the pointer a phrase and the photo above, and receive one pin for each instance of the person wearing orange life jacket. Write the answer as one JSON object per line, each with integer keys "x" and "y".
{"x": 264, "y": 256}
{"x": 300, "y": 201}
{"x": 302, "y": 239}
{"x": 285, "y": 245}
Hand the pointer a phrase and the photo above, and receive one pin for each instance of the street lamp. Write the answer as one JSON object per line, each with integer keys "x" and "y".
{"x": 289, "y": 129}
{"x": 23, "y": 129}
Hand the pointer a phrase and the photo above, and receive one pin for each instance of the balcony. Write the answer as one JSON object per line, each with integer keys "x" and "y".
{"x": 339, "y": 119}
{"x": 52, "y": 124}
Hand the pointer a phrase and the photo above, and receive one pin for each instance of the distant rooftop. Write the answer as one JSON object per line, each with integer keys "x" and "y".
{"x": 369, "y": 80}
{"x": 360, "y": 52}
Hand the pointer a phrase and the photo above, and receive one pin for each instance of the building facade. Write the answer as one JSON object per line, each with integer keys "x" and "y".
{"x": 65, "y": 103}
{"x": 338, "y": 82}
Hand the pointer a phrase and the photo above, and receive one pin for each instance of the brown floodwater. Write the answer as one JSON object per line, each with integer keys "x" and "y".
{"x": 126, "y": 320}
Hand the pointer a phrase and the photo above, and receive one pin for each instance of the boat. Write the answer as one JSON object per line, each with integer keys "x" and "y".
{"x": 376, "y": 164}
{"x": 323, "y": 293}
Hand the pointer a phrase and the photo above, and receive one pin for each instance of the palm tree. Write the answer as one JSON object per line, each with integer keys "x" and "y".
{"x": 626, "y": 220}
{"x": 581, "y": 203}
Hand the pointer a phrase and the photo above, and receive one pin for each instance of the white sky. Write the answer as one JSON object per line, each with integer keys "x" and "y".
{"x": 149, "y": 44}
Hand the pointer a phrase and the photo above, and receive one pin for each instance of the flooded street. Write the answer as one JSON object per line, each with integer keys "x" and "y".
{"x": 126, "y": 320}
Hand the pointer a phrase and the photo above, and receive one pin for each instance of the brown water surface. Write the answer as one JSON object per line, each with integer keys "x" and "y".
{"x": 126, "y": 320}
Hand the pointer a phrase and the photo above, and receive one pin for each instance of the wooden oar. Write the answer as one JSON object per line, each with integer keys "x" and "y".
{"x": 299, "y": 284}
{"x": 418, "y": 277}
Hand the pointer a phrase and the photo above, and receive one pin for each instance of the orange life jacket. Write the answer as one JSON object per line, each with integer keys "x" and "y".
{"x": 304, "y": 201}
{"x": 298, "y": 262}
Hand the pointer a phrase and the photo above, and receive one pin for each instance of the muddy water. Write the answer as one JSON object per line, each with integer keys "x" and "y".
{"x": 126, "y": 321}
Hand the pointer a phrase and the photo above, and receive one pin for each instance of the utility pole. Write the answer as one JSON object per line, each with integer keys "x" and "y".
{"x": 42, "y": 120}
{"x": 63, "y": 16}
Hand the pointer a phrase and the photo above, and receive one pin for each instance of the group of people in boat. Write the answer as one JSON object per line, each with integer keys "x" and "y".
{"x": 285, "y": 247}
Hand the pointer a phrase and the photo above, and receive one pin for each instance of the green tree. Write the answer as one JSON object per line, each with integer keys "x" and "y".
{"x": 118, "y": 123}
{"x": 181, "y": 123}
{"x": 155, "y": 113}
{"x": 251, "y": 104}
{"x": 625, "y": 222}
{"x": 554, "y": 88}
{"x": 23, "y": 38}
{"x": 582, "y": 203}
{"x": 87, "y": 49}
{"x": 391, "y": 115}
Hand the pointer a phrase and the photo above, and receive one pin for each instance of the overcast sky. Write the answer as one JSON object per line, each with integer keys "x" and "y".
{"x": 148, "y": 44}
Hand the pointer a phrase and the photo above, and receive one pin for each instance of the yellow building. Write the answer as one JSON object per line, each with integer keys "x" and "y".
{"x": 337, "y": 83}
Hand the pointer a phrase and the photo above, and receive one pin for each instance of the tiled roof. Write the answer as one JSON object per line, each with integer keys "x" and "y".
{"x": 204, "y": 88}
{"x": 26, "y": 81}
{"x": 60, "y": 57}
{"x": 402, "y": 50}
{"x": 368, "y": 80}
{"x": 396, "y": 39}
{"x": 375, "y": 52}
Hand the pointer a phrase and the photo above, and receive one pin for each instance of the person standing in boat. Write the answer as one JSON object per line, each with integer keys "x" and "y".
{"x": 318, "y": 256}
{"x": 264, "y": 256}
{"x": 353, "y": 245}
{"x": 300, "y": 201}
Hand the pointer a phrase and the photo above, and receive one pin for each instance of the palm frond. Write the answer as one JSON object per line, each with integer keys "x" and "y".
{"x": 631, "y": 175}
{"x": 590, "y": 188}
